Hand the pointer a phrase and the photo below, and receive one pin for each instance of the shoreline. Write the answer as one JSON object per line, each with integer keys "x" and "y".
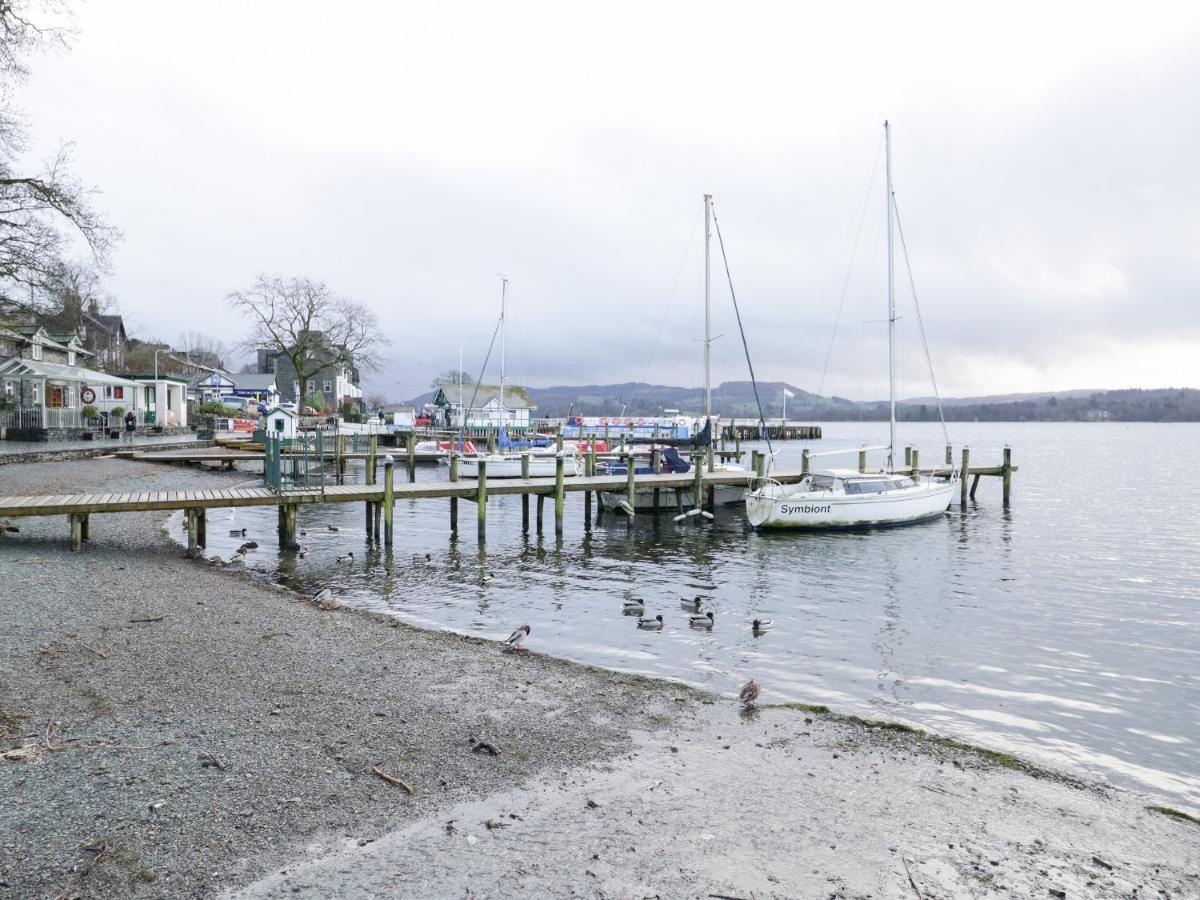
{"x": 295, "y": 705}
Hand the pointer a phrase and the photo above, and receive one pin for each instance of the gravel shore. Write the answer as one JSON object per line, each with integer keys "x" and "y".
{"x": 181, "y": 732}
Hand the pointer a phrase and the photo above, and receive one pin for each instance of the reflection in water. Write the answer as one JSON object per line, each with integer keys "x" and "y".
{"x": 1064, "y": 629}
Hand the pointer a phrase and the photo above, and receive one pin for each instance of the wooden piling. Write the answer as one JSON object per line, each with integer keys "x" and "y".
{"x": 559, "y": 494}
{"x": 805, "y": 464}
{"x": 287, "y": 527}
{"x": 655, "y": 469}
{"x": 193, "y": 548}
{"x": 908, "y": 452}
{"x": 630, "y": 486}
{"x": 370, "y": 520}
{"x": 454, "y": 500}
{"x": 915, "y": 462}
{"x": 481, "y": 499}
{"x": 410, "y": 447}
{"x": 963, "y": 472}
{"x": 76, "y": 520}
{"x": 541, "y": 505}
{"x": 377, "y": 508}
{"x": 1007, "y": 475}
{"x": 974, "y": 484}
{"x": 201, "y": 527}
{"x": 697, "y": 475}
{"x": 372, "y": 451}
{"x": 862, "y": 460}
{"x": 388, "y": 502}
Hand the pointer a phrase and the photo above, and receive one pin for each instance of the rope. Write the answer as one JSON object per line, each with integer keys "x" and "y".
{"x": 850, "y": 268}
{"x": 921, "y": 322}
{"x": 475, "y": 394}
{"x": 742, "y": 331}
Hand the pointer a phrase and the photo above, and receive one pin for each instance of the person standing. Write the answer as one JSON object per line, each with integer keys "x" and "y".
{"x": 130, "y": 426}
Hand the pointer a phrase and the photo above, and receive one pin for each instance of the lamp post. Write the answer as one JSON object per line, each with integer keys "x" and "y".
{"x": 156, "y": 352}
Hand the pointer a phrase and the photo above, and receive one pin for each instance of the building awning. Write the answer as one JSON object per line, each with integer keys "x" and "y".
{"x": 32, "y": 368}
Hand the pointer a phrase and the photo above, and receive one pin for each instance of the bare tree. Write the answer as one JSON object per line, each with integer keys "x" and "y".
{"x": 305, "y": 322}
{"x": 41, "y": 213}
{"x": 202, "y": 349}
{"x": 452, "y": 376}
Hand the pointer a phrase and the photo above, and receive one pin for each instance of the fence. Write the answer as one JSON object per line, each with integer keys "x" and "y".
{"x": 41, "y": 418}
{"x": 299, "y": 465}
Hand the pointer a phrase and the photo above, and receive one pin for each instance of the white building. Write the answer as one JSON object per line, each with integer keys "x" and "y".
{"x": 484, "y": 403}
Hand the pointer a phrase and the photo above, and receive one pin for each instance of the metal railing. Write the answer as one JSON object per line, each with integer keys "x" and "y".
{"x": 42, "y": 418}
{"x": 297, "y": 466}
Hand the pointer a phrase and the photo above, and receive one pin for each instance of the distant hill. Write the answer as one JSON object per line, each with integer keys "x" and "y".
{"x": 736, "y": 399}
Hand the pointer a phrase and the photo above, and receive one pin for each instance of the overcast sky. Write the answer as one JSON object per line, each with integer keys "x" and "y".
{"x": 1045, "y": 157}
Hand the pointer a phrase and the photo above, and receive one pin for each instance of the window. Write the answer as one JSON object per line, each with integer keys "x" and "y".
{"x": 10, "y": 390}
{"x": 35, "y": 393}
{"x": 328, "y": 386}
{"x": 70, "y": 357}
{"x": 118, "y": 393}
{"x": 37, "y": 349}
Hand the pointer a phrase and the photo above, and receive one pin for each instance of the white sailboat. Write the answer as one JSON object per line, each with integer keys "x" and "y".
{"x": 509, "y": 465}
{"x": 723, "y": 494}
{"x": 843, "y": 498}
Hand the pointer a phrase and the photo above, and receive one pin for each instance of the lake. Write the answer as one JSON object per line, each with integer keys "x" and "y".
{"x": 1065, "y": 629}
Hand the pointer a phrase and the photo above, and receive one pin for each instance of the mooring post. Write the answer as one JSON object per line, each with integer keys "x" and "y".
{"x": 491, "y": 442}
{"x": 915, "y": 462}
{"x": 287, "y": 526}
{"x": 541, "y": 504}
{"x": 963, "y": 472}
{"x": 454, "y": 500}
{"x": 559, "y": 492}
{"x": 697, "y": 482}
{"x": 1008, "y": 474}
{"x": 377, "y": 512}
{"x": 607, "y": 445}
{"x": 481, "y": 498}
{"x": 949, "y": 455}
{"x": 804, "y": 462}
{"x": 370, "y": 520}
{"x": 558, "y": 439}
{"x": 201, "y": 527}
{"x": 908, "y": 451}
{"x": 410, "y": 446}
{"x": 656, "y": 469}
{"x": 388, "y": 499}
{"x": 761, "y": 467}
{"x": 737, "y": 442}
{"x": 862, "y": 460}
{"x": 372, "y": 450}
{"x": 83, "y": 528}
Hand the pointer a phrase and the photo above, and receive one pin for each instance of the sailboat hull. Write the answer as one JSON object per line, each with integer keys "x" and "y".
{"x": 541, "y": 465}
{"x": 776, "y": 507}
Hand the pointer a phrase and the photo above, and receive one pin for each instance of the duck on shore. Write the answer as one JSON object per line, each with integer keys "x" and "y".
{"x": 749, "y": 693}
{"x": 517, "y": 638}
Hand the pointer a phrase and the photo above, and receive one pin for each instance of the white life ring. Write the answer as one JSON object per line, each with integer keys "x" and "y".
{"x": 87, "y": 395}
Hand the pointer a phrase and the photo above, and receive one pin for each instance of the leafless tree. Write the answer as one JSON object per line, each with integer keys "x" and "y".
{"x": 202, "y": 349}
{"x": 452, "y": 376}
{"x": 309, "y": 325}
{"x": 42, "y": 213}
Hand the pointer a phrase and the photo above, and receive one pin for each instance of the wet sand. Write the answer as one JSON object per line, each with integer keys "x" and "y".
{"x": 191, "y": 733}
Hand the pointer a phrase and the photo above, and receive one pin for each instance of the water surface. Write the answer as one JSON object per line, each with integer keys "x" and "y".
{"x": 1064, "y": 629}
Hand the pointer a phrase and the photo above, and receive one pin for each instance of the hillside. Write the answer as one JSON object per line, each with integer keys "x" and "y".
{"x": 736, "y": 399}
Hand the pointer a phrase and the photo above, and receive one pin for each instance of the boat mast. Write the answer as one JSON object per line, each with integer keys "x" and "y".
{"x": 891, "y": 291}
{"x": 503, "y": 339}
{"x": 707, "y": 310}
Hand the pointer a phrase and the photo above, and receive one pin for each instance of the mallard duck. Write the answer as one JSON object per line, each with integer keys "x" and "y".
{"x": 634, "y": 607}
{"x": 332, "y": 527}
{"x": 233, "y": 532}
{"x": 517, "y": 637}
{"x": 656, "y": 623}
{"x": 349, "y": 557}
{"x": 249, "y": 545}
{"x": 423, "y": 559}
{"x": 322, "y": 594}
{"x": 749, "y": 693}
{"x": 761, "y": 625}
{"x": 704, "y": 621}
{"x": 693, "y": 604}
{"x": 216, "y": 561}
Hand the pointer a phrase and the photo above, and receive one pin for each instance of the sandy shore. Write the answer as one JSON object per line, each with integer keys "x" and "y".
{"x": 187, "y": 733}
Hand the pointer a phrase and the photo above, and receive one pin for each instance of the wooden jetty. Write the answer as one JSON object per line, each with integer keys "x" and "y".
{"x": 776, "y": 431}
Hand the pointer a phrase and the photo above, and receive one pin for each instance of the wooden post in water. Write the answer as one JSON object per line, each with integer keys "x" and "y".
{"x": 541, "y": 505}
{"x": 862, "y": 460}
{"x": 963, "y": 472}
{"x": 377, "y": 516}
{"x": 915, "y": 462}
{"x": 491, "y": 442}
{"x": 193, "y": 548}
{"x": 949, "y": 455}
{"x": 453, "y": 500}
{"x": 287, "y": 527}
{"x": 372, "y": 451}
{"x": 559, "y": 492}
{"x": 656, "y": 469}
{"x": 388, "y": 501}
{"x": 410, "y": 446}
{"x": 481, "y": 498}
{"x": 804, "y": 462}
{"x": 908, "y": 452}
{"x": 607, "y": 445}
{"x": 1007, "y": 475}
{"x": 630, "y": 486}
{"x": 761, "y": 468}
{"x": 370, "y": 520}
{"x": 737, "y": 442}
{"x": 525, "y": 497}
{"x": 697, "y": 482}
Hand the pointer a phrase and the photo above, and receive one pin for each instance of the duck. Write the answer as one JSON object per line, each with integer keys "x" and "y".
{"x": 302, "y": 554}
{"x": 216, "y": 561}
{"x": 749, "y": 693}
{"x": 634, "y": 607}
{"x": 759, "y": 625}
{"x": 349, "y": 557}
{"x": 332, "y": 527}
{"x": 326, "y": 601}
{"x": 423, "y": 559}
{"x": 693, "y": 604}
{"x": 249, "y": 545}
{"x": 656, "y": 623}
{"x": 704, "y": 621}
{"x": 517, "y": 637}
{"x": 235, "y": 532}
{"x": 323, "y": 594}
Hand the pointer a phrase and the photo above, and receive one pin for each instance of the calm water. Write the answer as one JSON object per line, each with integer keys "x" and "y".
{"x": 1066, "y": 629}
